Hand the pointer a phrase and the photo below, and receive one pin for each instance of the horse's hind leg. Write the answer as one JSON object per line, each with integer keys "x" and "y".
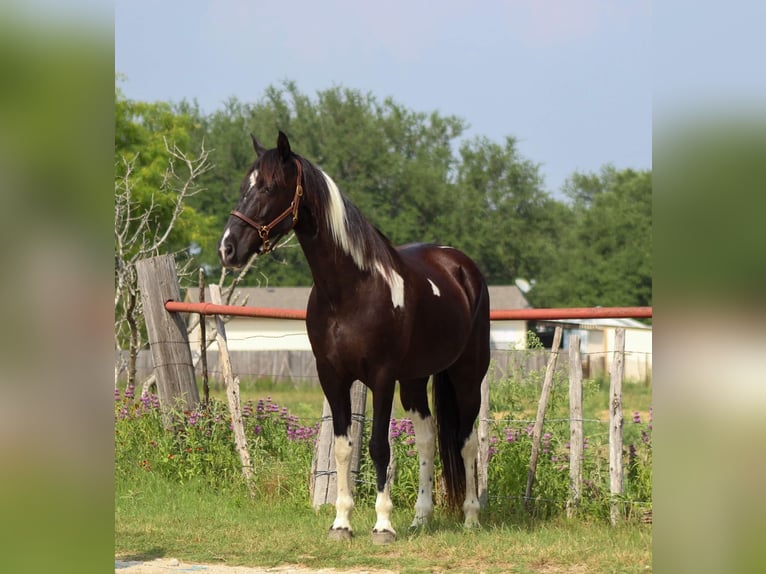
{"x": 467, "y": 374}
{"x": 415, "y": 401}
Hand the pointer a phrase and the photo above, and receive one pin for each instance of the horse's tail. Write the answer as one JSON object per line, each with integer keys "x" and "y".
{"x": 450, "y": 441}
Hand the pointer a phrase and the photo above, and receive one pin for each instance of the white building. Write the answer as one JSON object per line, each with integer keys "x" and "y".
{"x": 597, "y": 344}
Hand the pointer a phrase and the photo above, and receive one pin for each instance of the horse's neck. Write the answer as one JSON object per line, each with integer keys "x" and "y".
{"x": 334, "y": 271}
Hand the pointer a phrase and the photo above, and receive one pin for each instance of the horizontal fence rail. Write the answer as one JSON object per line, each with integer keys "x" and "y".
{"x": 496, "y": 315}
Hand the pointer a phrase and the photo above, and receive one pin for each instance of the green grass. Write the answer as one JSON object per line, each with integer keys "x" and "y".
{"x": 156, "y": 518}
{"x": 179, "y": 494}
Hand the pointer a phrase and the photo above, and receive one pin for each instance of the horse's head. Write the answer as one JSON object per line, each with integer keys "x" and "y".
{"x": 268, "y": 204}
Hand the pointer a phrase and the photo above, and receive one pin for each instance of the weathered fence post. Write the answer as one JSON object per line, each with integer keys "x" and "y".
{"x": 203, "y": 340}
{"x": 575, "y": 425}
{"x": 323, "y": 482}
{"x": 483, "y": 462}
{"x": 542, "y": 404}
{"x": 168, "y": 340}
{"x": 615, "y": 423}
{"x": 232, "y": 392}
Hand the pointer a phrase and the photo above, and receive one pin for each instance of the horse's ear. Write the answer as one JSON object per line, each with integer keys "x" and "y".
{"x": 257, "y": 146}
{"x": 283, "y": 146}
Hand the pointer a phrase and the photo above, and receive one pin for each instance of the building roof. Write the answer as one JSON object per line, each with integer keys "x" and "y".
{"x": 500, "y": 297}
{"x": 507, "y": 297}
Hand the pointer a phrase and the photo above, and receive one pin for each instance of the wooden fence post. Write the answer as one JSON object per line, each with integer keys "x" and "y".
{"x": 323, "y": 482}
{"x": 483, "y": 462}
{"x": 203, "y": 340}
{"x": 615, "y": 423}
{"x": 168, "y": 340}
{"x": 232, "y": 392}
{"x": 537, "y": 431}
{"x": 575, "y": 425}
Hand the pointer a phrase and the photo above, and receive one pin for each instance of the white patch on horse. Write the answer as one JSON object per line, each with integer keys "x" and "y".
{"x": 434, "y": 288}
{"x": 425, "y": 442}
{"x": 253, "y": 178}
{"x": 395, "y": 284}
{"x": 344, "y": 501}
{"x": 222, "y": 248}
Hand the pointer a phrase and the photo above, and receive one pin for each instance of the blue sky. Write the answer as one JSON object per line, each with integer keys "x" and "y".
{"x": 571, "y": 81}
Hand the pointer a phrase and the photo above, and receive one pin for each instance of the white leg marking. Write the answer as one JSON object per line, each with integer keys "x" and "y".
{"x": 222, "y": 249}
{"x": 469, "y": 453}
{"x": 434, "y": 288}
{"x": 425, "y": 435}
{"x": 344, "y": 502}
{"x": 383, "y": 508}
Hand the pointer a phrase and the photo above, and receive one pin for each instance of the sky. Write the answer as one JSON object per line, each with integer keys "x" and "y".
{"x": 571, "y": 81}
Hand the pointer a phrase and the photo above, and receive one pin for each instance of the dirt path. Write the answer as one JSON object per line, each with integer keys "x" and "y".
{"x": 171, "y": 565}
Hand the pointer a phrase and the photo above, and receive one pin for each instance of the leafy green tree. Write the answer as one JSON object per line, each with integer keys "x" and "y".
{"x": 605, "y": 256}
{"x": 416, "y": 178}
{"x": 501, "y": 214}
{"x": 145, "y": 136}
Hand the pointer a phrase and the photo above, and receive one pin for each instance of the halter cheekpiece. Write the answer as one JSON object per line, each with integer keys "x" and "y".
{"x": 265, "y": 230}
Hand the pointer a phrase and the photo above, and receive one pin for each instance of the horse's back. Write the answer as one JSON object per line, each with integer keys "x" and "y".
{"x": 455, "y": 268}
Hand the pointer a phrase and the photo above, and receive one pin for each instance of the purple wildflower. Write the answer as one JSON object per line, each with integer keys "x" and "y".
{"x": 636, "y": 417}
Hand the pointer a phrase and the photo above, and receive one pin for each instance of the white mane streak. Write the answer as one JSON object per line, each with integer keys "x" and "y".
{"x": 336, "y": 221}
{"x": 338, "y": 224}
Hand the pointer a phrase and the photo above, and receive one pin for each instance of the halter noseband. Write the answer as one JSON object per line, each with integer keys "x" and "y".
{"x": 264, "y": 230}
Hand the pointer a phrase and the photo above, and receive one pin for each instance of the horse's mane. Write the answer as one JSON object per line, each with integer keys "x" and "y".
{"x": 370, "y": 249}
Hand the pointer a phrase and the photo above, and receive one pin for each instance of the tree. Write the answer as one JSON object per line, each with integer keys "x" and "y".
{"x": 605, "y": 257}
{"x": 154, "y": 178}
{"x": 415, "y": 177}
{"x": 502, "y": 215}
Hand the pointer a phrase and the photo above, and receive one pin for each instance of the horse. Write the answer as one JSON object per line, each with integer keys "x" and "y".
{"x": 377, "y": 314}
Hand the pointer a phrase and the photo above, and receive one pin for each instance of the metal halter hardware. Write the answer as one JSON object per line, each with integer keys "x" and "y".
{"x": 265, "y": 230}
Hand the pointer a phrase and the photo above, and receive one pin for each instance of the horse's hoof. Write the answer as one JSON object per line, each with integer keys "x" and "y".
{"x": 383, "y": 537}
{"x": 339, "y": 534}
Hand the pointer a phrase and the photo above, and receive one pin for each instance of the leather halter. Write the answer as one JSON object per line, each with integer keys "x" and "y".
{"x": 264, "y": 230}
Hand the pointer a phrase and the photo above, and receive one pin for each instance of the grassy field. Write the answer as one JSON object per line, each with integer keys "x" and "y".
{"x": 155, "y": 518}
{"x": 174, "y": 508}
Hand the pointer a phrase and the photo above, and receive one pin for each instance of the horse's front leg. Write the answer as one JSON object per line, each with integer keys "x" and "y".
{"x": 338, "y": 396}
{"x": 344, "y": 501}
{"x": 380, "y": 452}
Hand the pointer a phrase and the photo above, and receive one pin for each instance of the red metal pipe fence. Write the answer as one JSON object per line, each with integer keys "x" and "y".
{"x": 496, "y": 315}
